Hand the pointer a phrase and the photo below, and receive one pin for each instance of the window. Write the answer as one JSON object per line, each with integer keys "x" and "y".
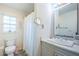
{"x": 9, "y": 24}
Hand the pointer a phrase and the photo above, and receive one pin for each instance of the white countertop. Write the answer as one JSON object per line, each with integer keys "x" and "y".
{"x": 74, "y": 48}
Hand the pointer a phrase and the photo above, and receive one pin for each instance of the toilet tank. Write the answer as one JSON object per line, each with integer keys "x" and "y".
{"x": 10, "y": 43}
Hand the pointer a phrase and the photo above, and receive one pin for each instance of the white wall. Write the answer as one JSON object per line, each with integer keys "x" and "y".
{"x": 43, "y": 12}
{"x": 18, "y": 35}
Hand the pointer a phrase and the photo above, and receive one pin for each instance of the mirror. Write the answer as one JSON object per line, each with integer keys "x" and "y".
{"x": 66, "y": 20}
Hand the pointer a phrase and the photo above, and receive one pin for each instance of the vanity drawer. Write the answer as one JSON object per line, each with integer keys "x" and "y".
{"x": 63, "y": 52}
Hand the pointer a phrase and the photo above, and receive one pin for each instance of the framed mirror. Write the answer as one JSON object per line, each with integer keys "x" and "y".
{"x": 65, "y": 20}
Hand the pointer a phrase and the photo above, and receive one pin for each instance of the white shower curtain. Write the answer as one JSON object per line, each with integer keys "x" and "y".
{"x": 29, "y": 34}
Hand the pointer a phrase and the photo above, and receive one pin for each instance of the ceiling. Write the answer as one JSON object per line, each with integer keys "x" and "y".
{"x": 26, "y": 8}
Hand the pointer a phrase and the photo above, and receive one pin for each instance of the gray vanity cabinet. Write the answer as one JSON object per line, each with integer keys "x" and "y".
{"x": 51, "y": 50}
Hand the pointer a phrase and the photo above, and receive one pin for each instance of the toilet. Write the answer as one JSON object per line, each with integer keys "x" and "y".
{"x": 10, "y": 47}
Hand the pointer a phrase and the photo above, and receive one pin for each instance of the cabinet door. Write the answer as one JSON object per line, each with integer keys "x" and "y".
{"x": 47, "y": 49}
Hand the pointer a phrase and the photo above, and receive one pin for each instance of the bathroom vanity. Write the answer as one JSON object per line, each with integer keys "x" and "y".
{"x": 65, "y": 40}
{"x": 51, "y": 48}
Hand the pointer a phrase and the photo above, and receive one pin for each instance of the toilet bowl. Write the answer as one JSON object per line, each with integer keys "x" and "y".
{"x": 10, "y": 48}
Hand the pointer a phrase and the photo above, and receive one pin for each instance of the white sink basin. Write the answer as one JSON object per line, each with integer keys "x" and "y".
{"x": 63, "y": 41}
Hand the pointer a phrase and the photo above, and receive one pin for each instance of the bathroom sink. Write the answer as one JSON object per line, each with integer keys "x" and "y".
{"x": 63, "y": 41}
